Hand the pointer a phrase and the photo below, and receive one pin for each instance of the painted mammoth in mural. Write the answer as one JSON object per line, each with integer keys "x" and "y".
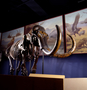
{"x": 28, "y": 49}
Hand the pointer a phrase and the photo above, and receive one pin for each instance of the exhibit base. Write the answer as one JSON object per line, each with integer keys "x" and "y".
{"x": 32, "y": 82}
{"x": 47, "y": 81}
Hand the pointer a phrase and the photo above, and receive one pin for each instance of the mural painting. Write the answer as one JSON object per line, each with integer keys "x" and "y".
{"x": 76, "y": 25}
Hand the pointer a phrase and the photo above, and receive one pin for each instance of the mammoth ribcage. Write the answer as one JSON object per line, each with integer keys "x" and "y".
{"x": 14, "y": 50}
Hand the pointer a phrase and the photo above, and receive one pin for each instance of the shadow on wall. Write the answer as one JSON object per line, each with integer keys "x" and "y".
{"x": 74, "y": 66}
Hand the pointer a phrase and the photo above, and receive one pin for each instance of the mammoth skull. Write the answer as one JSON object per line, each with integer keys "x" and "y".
{"x": 42, "y": 36}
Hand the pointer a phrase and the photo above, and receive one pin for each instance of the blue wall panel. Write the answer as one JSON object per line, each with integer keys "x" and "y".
{"x": 74, "y": 66}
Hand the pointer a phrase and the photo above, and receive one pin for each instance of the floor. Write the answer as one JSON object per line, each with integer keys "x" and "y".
{"x": 75, "y": 84}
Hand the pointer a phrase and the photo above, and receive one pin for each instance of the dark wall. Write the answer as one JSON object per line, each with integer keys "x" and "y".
{"x": 74, "y": 66}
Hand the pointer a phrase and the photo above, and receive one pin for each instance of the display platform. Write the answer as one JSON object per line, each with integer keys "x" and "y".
{"x": 42, "y": 82}
{"x": 47, "y": 81}
{"x": 47, "y": 76}
{"x": 32, "y": 82}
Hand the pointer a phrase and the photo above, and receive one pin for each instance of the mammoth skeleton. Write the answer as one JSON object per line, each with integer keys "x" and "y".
{"x": 28, "y": 49}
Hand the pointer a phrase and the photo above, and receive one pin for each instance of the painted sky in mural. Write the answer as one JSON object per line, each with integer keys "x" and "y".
{"x": 49, "y": 24}
{"x": 71, "y": 17}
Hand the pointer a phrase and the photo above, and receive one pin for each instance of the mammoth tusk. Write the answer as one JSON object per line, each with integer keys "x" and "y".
{"x": 56, "y": 45}
{"x": 70, "y": 52}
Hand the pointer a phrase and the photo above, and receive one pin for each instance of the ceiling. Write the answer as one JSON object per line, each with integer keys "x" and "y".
{"x": 18, "y": 13}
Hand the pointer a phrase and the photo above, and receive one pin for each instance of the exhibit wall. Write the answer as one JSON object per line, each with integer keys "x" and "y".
{"x": 74, "y": 66}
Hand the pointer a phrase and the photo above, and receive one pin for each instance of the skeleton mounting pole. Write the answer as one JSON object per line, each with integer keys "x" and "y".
{"x": 43, "y": 63}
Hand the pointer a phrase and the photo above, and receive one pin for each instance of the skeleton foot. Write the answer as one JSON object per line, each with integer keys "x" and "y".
{"x": 24, "y": 71}
{"x": 11, "y": 71}
{"x": 33, "y": 69}
{"x": 17, "y": 71}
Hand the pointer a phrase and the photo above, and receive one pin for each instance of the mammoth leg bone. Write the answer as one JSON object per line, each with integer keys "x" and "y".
{"x": 24, "y": 71}
{"x": 36, "y": 56}
{"x": 19, "y": 63}
{"x": 11, "y": 65}
{"x": 18, "y": 68}
{"x": 70, "y": 52}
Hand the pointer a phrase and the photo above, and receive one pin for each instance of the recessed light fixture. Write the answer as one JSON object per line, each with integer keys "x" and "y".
{"x": 79, "y": 1}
